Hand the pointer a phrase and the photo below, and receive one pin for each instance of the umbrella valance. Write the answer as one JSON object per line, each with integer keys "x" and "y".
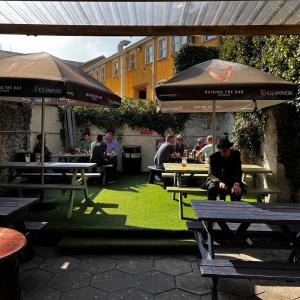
{"x": 43, "y": 75}
{"x": 234, "y": 87}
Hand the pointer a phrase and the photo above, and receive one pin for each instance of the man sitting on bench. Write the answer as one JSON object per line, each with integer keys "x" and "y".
{"x": 225, "y": 172}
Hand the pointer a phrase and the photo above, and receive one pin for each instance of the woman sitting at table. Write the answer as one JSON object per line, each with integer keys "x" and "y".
{"x": 99, "y": 151}
{"x": 225, "y": 173}
{"x": 179, "y": 146}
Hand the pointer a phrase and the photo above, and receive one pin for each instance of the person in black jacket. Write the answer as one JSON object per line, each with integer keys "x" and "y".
{"x": 225, "y": 172}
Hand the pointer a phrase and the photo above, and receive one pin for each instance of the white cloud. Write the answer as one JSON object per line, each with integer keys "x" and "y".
{"x": 65, "y": 47}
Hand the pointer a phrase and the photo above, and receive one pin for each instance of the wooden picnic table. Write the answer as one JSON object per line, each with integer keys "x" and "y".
{"x": 67, "y": 167}
{"x": 283, "y": 216}
{"x": 13, "y": 209}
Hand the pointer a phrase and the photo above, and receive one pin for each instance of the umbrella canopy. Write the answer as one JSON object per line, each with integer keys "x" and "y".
{"x": 43, "y": 78}
{"x": 231, "y": 87}
{"x": 30, "y": 77}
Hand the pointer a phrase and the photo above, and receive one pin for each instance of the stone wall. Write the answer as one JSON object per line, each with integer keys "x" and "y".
{"x": 14, "y": 131}
{"x": 270, "y": 154}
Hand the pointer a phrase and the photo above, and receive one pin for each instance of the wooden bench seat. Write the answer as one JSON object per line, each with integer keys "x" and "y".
{"x": 35, "y": 226}
{"x": 88, "y": 175}
{"x": 255, "y": 230}
{"x": 171, "y": 175}
{"x": 38, "y": 186}
{"x": 153, "y": 172}
{"x": 222, "y": 268}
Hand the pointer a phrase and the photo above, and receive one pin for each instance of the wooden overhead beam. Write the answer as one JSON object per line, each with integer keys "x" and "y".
{"x": 99, "y": 30}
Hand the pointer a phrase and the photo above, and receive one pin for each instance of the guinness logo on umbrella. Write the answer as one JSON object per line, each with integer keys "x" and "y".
{"x": 220, "y": 74}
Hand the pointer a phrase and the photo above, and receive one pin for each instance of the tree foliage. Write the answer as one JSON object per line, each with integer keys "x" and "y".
{"x": 280, "y": 56}
{"x": 134, "y": 113}
{"x": 190, "y": 55}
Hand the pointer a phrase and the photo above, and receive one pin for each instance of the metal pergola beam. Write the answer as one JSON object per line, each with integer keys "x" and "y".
{"x": 99, "y": 30}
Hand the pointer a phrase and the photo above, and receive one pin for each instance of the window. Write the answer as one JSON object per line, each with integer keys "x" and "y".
{"x": 102, "y": 73}
{"x": 131, "y": 61}
{"x": 207, "y": 37}
{"x": 162, "y": 48}
{"x": 149, "y": 54}
{"x": 175, "y": 44}
{"x": 97, "y": 75}
{"x": 184, "y": 39}
{"x": 115, "y": 68}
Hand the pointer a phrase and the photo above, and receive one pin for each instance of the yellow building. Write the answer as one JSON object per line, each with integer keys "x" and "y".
{"x": 135, "y": 70}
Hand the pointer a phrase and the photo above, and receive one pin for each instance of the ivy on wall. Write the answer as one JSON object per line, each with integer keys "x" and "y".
{"x": 134, "y": 113}
{"x": 280, "y": 56}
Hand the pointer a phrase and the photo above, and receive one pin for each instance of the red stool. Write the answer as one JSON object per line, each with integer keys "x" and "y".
{"x": 12, "y": 243}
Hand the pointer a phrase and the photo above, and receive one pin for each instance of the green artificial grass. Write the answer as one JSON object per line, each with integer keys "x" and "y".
{"x": 129, "y": 214}
{"x": 128, "y": 204}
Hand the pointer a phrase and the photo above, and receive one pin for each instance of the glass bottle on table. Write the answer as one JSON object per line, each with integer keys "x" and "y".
{"x": 184, "y": 161}
{"x": 112, "y": 150}
{"x": 185, "y": 153}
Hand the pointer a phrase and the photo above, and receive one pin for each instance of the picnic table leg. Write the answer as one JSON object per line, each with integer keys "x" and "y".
{"x": 72, "y": 195}
{"x": 180, "y": 197}
{"x": 175, "y": 184}
{"x": 214, "y": 289}
{"x": 210, "y": 240}
{"x": 84, "y": 181}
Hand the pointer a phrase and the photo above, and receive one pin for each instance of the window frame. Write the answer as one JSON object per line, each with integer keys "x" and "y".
{"x": 102, "y": 74}
{"x": 173, "y": 44}
{"x": 150, "y": 45}
{"x": 115, "y": 74}
{"x": 159, "y": 48}
{"x": 130, "y": 67}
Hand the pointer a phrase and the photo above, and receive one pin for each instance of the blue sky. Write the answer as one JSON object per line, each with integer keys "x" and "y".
{"x": 65, "y": 47}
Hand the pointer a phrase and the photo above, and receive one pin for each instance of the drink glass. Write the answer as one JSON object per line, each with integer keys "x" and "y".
{"x": 27, "y": 157}
{"x": 184, "y": 162}
{"x": 38, "y": 158}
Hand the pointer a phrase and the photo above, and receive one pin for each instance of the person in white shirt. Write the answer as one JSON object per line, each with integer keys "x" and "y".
{"x": 204, "y": 154}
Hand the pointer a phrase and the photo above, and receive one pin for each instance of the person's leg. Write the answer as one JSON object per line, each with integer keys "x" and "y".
{"x": 223, "y": 194}
{"x": 234, "y": 197}
{"x": 213, "y": 191}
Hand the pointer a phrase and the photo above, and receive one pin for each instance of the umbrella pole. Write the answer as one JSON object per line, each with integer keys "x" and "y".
{"x": 214, "y": 124}
{"x": 43, "y": 138}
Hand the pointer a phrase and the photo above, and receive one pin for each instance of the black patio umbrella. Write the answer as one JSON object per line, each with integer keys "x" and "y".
{"x": 222, "y": 86}
{"x": 43, "y": 78}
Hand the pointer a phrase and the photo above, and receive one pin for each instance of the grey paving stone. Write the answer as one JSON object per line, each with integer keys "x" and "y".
{"x": 130, "y": 294}
{"x": 224, "y": 296}
{"x": 41, "y": 293}
{"x": 177, "y": 294}
{"x": 195, "y": 266}
{"x": 45, "y": 251}
{"x": 112, "y": 281}
{"x": 154, "y": 282}
{"x": 173, "y": 266}
{"x": 194, "y": 283}
{"x": 69, "y": 280}
{"x": 135, "y": 265}
{"x": 34, "y": 277}
{"x": 86, "y": 293}
{"x": 265, "y": 255}
{"x": 118, "y": 257}
{"x": 98, "y": 264}
{"x": 85, "y": 256}
{"x": 239, "y": 287}
{"x": 60, "y": 264}
{"x": 33, "y": 263}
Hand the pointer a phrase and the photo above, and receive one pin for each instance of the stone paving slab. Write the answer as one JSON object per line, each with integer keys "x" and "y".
{"x": 52, "y": 276}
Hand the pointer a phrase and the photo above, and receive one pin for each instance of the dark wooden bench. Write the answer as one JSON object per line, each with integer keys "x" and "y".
{"x": 39, "y": 186}
{"x": 222, "y": 268}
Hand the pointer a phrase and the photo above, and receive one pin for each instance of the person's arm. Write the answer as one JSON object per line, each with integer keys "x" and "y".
{"x": 200, "y": 156}
{"x": 212, "y": 170}
{"x": 116, "y": 146}
{"x": 236, "y": 189}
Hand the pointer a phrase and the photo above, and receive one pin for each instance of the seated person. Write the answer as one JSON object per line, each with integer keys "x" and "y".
{"x": 204, "y": 154}
{"x": 38, "y": 148}
{"x": 165, "y": 152}
{"x": 113, "y": 149}
{"x": 99, "y": 151}
{"x": 225, "y": 173}
{"x": 200, "y": 144}
{"x": 85, "y": 143}
{"x": 179, "y": 146}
